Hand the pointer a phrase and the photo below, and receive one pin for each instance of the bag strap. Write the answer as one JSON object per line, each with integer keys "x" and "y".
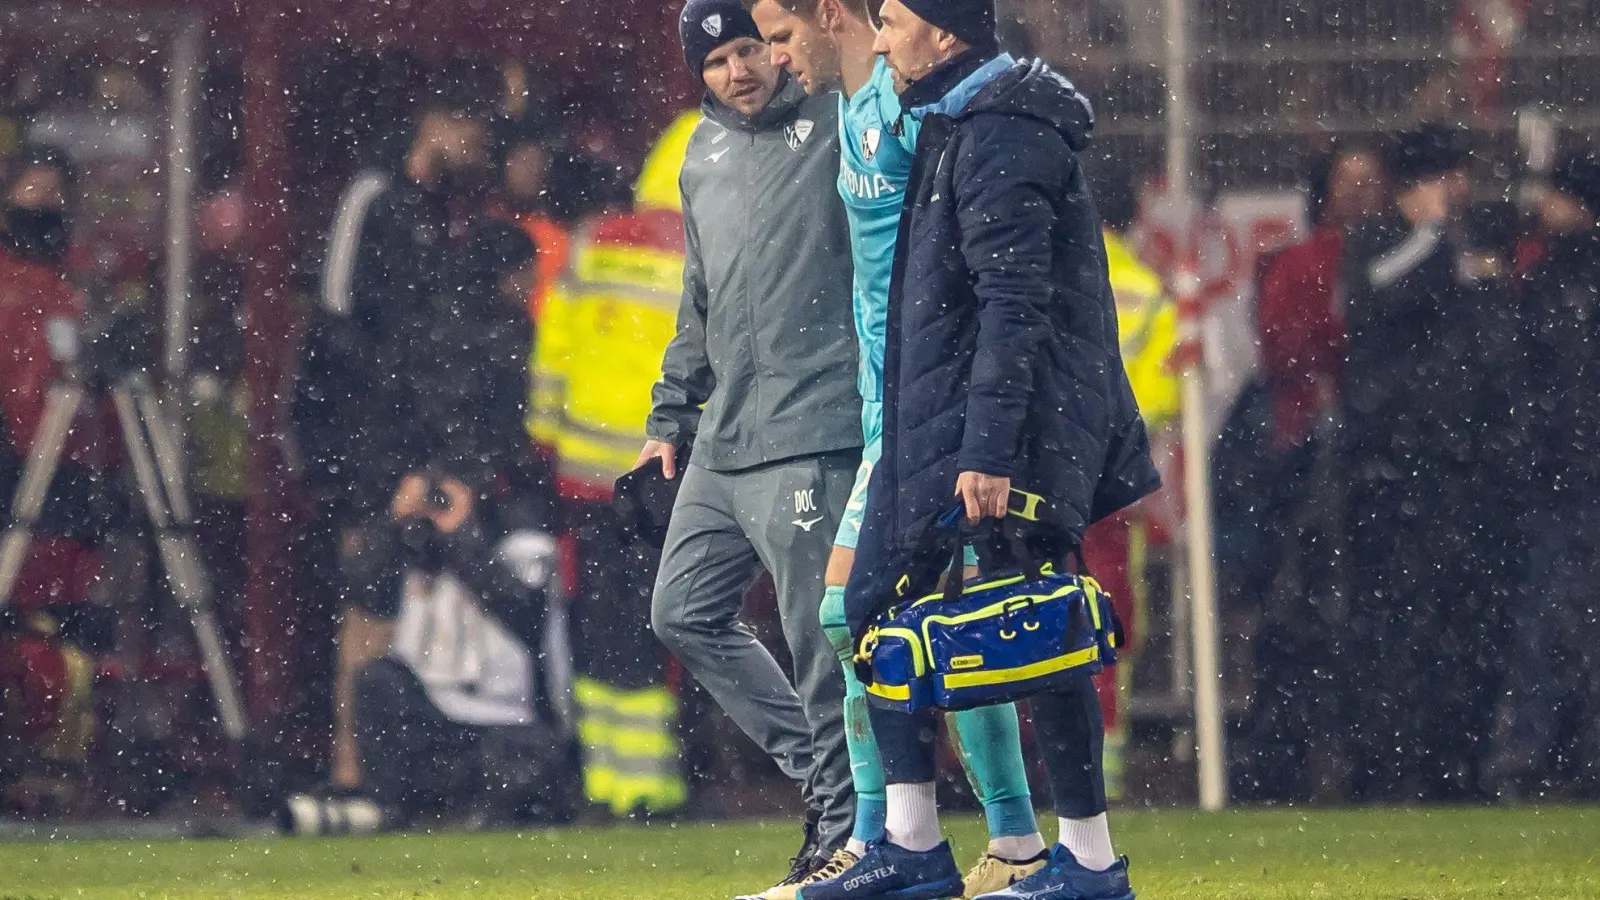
{"x": 1008, "y": 531}
{"x": 944, "y": 543}
{"x": 951, "y": 525}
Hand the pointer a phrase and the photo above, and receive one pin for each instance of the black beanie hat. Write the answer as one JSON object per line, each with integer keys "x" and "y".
{"x": 706, "y": 25}
{"x": 1578, "y": 176}
{"x": 970, "y": 20}
{"x": 1428, "y": 150}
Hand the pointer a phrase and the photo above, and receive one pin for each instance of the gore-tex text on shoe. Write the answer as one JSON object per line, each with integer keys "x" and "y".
{"x": 868, "y": 878}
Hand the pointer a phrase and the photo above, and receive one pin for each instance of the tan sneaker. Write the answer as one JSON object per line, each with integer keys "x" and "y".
{"x": 837, "y": 865}
{"x": 808, "y": 860}
{"x": 995, "y": 874}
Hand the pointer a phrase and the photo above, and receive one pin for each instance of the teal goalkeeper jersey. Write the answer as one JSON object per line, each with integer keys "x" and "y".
{"x": 876, "y": 148}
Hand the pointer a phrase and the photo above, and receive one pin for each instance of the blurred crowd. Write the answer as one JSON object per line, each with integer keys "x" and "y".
{"x": 1406, "y": 495}
{"x": 430, "y": 519}
{"x": 1412, "y": 486}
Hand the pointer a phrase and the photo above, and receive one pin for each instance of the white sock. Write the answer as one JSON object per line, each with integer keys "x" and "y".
{"x": 1090, "y": 842}
{"x": 1017, "y": 849}
{"x": 913, "y": 819}
{"x": 856, "y": 846}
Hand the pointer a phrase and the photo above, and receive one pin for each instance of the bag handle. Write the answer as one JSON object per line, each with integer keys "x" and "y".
{"x": 954, "y": 524}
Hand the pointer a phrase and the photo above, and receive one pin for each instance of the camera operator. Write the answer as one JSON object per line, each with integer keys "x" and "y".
{"x": 460, "y": 564}
{"x": 390, "y": 255}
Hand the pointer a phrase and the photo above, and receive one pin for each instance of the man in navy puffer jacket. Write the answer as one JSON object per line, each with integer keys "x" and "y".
{"x": 1002, "y": 370}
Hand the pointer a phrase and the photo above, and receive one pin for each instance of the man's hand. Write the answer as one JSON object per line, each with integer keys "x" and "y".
{"x": 666, "y": 451}
{"x": 411, "y": 499}
{"x": 986, "y": 496}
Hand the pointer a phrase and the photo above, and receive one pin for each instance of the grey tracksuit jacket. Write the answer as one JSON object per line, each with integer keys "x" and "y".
{"x": 766, "y": 345}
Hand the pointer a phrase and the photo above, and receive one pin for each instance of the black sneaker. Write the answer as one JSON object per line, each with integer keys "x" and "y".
{"x": 808, "y": 860}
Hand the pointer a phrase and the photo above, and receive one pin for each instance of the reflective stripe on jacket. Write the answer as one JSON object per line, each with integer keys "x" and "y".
{"x": 601, "y": 336}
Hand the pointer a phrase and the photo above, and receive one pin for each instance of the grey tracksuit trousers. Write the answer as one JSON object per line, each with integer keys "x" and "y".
{"x": 725, "y": 527}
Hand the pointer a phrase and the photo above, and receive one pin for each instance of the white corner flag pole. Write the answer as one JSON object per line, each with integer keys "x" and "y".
{"x": 1208, "y": 717}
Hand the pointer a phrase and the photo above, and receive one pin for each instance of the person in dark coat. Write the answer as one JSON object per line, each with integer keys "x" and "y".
{"x": 392, "y": 251}
{"x": 1002, "y": 368}
{"x": 1292, "y": 741}
{"x": 1406, "y": 451}
{"x": 37, "y": 307}
{"x": 468, "y": 377}
{"x": 460, "y": 509}
{"x": 1300, "y": 323}
{"x": 1555, "y": 619}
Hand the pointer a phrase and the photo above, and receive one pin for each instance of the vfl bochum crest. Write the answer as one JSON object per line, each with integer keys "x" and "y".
{"x": 869, "y": 143}
{"x": 797, "y": 133}
{"x": 712, "y": 24}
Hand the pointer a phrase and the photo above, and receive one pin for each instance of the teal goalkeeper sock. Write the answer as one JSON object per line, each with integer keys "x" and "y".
{"x": 866, "y": 766}
{"x": 990, "y": 743}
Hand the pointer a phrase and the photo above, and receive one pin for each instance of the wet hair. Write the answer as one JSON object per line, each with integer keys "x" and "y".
{"x": 1427, "y": 151}
{"x": 463, "y": 87}
{"x": 1319, "y": 181}
{"x": 807, "y": 9}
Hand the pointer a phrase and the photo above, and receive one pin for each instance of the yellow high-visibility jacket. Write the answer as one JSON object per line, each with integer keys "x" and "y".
{"x": 1147, "y": 328}
{"x": 657, "y": 187}
{"x": 605, "y": 326}
{"x": 600, "y": 341}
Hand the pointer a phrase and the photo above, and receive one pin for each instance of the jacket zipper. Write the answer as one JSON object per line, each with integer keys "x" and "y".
{"x": 749, "y": 300}
{"x": 891, "y": 332}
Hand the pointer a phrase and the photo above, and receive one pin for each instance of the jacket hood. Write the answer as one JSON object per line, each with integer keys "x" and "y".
{"x": 1026, "y": 88}
{"x": 786, "y": 98}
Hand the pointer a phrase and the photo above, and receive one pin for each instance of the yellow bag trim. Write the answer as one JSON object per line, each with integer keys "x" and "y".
{"x": 899, "y": 692}
{"x": 1022, "y": 673}
{"x": 938, "y": 596}
{"x": 1091, "y": 596}
{"x": 986, "y": 612}
{"x": 918, "y": 651}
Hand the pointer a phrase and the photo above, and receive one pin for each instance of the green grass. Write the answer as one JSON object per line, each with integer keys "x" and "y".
{"x": 1420, "y": 854}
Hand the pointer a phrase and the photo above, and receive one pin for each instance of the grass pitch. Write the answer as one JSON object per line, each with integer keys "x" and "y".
{"x": 1550, "y": 853}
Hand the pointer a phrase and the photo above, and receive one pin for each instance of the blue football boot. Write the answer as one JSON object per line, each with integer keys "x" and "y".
{"x": 888, "y": 872}
{"x": 1063, "y": 878}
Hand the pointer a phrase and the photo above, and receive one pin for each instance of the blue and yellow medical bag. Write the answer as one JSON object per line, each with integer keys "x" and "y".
{"x": 982, "y": 641}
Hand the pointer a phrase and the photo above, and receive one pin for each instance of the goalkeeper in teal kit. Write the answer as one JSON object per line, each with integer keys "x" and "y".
{"x": 827, "y": 45}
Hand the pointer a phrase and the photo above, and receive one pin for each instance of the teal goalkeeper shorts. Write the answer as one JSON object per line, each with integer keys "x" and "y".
{"x": 871, "y": 451}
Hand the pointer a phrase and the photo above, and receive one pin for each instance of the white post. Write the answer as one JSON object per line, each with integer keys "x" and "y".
{"x": 1208, "y": 717}
{"x": 182, "y": 162}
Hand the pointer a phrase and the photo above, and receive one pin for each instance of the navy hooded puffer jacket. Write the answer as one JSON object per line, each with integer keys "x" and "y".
{"x": 1002, "y": 352}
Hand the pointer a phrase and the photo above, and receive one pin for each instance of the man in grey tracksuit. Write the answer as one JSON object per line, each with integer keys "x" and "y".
{"x": 761, "y": 380}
